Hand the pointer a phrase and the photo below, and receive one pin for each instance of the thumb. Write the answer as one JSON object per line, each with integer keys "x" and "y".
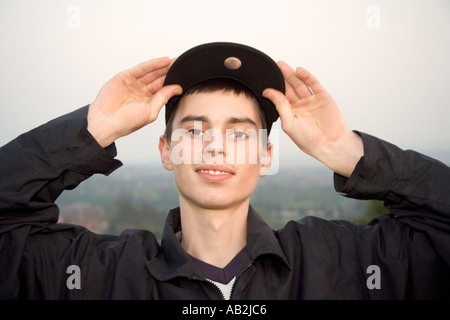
{"x": 281, "y": 103}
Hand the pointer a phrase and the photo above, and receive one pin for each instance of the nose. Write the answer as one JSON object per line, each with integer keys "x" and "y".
{"x": 214, "y": 148}
{"x": 214, "y": 145}
{"x": 213, "y": 152}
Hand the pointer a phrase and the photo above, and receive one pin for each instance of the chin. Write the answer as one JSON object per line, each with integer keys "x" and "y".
{"x": 214, "y": 203}
{"x": 216, "y": 200}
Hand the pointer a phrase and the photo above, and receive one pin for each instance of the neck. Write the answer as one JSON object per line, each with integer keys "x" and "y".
{"x": 214, "y": 236}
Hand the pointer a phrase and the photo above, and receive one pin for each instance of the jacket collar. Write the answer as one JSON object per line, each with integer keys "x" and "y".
{"x": 173, "y": 261}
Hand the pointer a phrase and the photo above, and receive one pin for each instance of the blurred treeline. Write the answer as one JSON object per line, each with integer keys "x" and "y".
{"x": 140, "y": 197}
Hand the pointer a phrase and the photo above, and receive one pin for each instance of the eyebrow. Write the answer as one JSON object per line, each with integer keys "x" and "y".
{"x": 234, "y": 120}
{"x": 190, "y": 118}
{"x": 231, "y": 120}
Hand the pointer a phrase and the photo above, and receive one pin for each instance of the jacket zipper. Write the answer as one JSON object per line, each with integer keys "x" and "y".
{"x": 210, "y": 283}
{"x": 217, "y": 288}
{"x": 237, "y": 277}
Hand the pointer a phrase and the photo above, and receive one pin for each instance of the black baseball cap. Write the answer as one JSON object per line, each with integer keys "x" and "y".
{"x": 225, "y": 60}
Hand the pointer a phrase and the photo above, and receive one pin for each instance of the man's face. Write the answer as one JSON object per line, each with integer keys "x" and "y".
{"x": 215, "y": 151}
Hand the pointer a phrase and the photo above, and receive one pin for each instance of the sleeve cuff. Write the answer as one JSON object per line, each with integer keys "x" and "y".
{"x": 372, "y": 177}
{"x": 81, "y": 152}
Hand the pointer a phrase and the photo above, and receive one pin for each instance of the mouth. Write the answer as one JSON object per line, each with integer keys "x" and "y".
{"x": 214, "y": 173}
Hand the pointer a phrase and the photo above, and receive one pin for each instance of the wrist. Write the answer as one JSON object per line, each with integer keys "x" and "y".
{"x": 98, "y": 127}
{"x": 342, "y": 156}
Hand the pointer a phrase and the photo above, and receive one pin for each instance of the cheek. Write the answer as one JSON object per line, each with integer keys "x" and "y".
{"x": 182, "y": 176}
{"x": 243, "y": 152}
{"x": 186, "y": 151}
{"x": 248, "y": 175}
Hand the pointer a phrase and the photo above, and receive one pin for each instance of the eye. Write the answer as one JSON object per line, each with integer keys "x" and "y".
{"x": 239, "y": 135}
{"x": 196, "y": 132}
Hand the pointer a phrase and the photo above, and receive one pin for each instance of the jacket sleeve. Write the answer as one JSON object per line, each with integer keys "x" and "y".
{"x": 411, "y": 185}
{"x": 416, "y": 232}
{"x": 40, "y": 164}
{"x": 35, "y": 169}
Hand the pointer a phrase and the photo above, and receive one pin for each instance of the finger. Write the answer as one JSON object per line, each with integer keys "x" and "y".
{"x": 165, "y": 93}
{"x": 309, "y": 80}
{"x": 156, "y": 84}
{"x": 173, "y": 60}
{"x": 156, "y": 74}
{"x": 162, "y": 97}
{"x": 300, "y": 88}
{"x": 149, "y": 66}
{"x": 281, "y": 103}
{"x": 291, "y": 94}
{"x": 149, "y": 78}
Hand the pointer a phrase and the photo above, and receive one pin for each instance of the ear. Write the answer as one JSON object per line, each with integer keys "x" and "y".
{"x": 265, "y": 160}
{"x": 164, "y": 150}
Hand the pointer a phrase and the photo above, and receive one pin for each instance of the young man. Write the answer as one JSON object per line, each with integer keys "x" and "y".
{"x": 215, "y": 245}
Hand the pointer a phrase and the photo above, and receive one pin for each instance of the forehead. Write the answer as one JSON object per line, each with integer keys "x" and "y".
{"x": 217, "y": 107}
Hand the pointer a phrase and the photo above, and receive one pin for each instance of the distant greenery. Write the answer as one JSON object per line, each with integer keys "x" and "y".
{"x": 124, "y": 213}
{"x": 373, "y": 208}
{"x": 141, "y": 197}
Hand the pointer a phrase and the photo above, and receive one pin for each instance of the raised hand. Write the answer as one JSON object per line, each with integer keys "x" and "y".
{"x": 130, "y": 100}
{"x": 311, "y": 118}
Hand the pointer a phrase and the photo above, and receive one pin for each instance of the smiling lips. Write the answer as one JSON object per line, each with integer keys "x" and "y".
{"x": 214, "y": 173}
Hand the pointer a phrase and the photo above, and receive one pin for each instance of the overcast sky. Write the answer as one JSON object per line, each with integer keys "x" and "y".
{"x": 386, "y": 63}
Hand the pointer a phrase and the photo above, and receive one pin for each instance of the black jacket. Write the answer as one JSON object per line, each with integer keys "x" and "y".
{"x": 308, "y": 259}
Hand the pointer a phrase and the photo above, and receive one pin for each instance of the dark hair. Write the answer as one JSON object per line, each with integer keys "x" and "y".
{"x": 213, "y": 85}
